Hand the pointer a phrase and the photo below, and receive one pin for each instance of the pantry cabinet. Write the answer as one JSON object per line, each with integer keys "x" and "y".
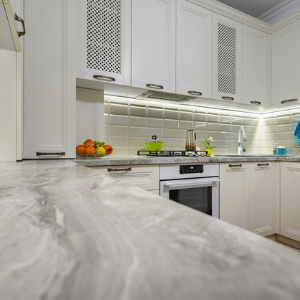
{"x": 286, "y": 65}
{"x": 290, "y": 201}
{"x": 264, "y": 197}
{"x": 193, "y": 50}
{"x": 227, "y": 58}
{"x": 145, "y": 177}
{"x": 104, "y": 41}
{"x": 50, "y": 79}
{"x": 256, "y": 61}
{"x": 234, "y": 194}
{"x": 153, "y": 44}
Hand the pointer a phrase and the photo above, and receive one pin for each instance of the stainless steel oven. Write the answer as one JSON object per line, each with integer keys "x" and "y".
{"x": 196, "y": 186}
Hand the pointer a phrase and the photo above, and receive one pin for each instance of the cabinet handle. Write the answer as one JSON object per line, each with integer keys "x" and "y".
{"x": 53, "y": 153}
{"x": 235, "y": 166}
{"x": 228, "y": 98}
{"x": 263, "y": 165}
{"x": 195, "y": 93}
{"x": 288, "y": 101}
{"x": 104, "y": 78}
{"x": 154, "y": 86}
{"x": 119, "y": 170}
{"x": 17, "y": 18}
{"x": 255, "y": 102}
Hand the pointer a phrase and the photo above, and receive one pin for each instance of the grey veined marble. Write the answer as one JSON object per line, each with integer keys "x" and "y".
{"x": 68, "y": 232}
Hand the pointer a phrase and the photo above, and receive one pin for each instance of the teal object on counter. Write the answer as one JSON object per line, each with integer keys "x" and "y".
{"x": 275, "y": 151}
{"x": 297, "y": 133}
{"x": 282, "y": 151}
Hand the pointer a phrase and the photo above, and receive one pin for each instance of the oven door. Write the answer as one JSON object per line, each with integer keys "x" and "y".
{"x": 201, "y": 193}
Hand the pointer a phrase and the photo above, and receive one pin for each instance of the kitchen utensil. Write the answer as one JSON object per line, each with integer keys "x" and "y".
{"x": 190, "y": 140}
{"x": 154, "y": 145}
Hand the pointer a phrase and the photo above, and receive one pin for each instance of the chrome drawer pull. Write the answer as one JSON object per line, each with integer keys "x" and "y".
{"x": 20, "y": 33}
{"x": 263, "y": 165}
{"x": 195, "y": 93}
{"x": 154, "y": 86}
{"x": 255, "y": 102}
{"x": 53, "y": 153}
{"x": 235, "y": 166}
{"x": 104, "y": 78}
{"x": 119, "y": 170}
{"x": 228, "y": 98}
{"x": 288, "y": 101}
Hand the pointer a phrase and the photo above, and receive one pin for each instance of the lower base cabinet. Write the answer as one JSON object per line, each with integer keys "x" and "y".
{"x": 249, "y": 196}
{"x": 145, "y": 177}
{"x": 290, "y": 200}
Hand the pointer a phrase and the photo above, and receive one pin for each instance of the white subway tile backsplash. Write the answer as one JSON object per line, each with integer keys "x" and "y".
{"x": 137, "y": 121}
{"x": 138, "y": 131}
{"x": 128, "y": 124}
{"x": 118, "y": 130}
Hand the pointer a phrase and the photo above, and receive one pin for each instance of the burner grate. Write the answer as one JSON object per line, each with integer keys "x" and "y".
{"x": 171, "y": 153}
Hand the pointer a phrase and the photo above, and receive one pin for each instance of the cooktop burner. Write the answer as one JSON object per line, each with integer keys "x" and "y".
{"x": 170, "y": 153}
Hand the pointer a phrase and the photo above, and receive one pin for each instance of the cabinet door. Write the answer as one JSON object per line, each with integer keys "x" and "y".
{"x": 153, "y": 44}
{"x": 264, "y": 198}
{"x": 256, "y": 60}
{"x": 290, "y": 200}
{"x": 49, "y": 79}
{"x": 194, "y": 50}
{"x": 104, "y": 40}
{"x": 227, "y": 59}
{"x": 286, "y": 64}
{"x": 234, "y": 194}
{"x": 145, "y": 177}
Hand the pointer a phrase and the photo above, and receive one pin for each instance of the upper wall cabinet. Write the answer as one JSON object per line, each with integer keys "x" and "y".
{"x": 9, "y": 36}
{"x": 104, "y": 40}
{"x": 50, "y": 79}
{"x": 194, "y": 50}
{"x": 153, "y": 44}
{"x": 286, "y": 64}
{"x": 227, "y": 59}
{"x": 255, "y": 67}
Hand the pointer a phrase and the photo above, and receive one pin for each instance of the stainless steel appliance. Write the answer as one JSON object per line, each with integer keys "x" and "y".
{"x": 190, "y": 140}
{"x": 196, "y": 186}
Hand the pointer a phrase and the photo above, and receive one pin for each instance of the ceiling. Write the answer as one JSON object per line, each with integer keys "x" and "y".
{"x": 270, "y": 11}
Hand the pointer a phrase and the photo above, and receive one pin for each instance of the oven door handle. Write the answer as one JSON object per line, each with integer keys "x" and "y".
{"x": 174, "y": 186}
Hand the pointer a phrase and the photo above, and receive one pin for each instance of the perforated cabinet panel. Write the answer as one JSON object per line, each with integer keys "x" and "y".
{"x": 104, "y": 35}
{"x": 226, "y": 59}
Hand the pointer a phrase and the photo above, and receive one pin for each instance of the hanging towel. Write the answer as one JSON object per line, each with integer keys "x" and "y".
{"x": 297, "y": 133}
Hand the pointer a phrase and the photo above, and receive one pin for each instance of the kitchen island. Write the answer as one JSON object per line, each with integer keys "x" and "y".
{"x": 69, "y": 232}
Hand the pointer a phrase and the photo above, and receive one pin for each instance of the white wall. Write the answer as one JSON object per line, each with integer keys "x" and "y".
{"x": 8, "y": 106}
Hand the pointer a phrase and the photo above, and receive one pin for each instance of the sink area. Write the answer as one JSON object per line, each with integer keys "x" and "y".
{"x": 251, "y": 155}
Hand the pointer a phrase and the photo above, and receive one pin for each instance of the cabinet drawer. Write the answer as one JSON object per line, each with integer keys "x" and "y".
{"x": 145, "y": 177}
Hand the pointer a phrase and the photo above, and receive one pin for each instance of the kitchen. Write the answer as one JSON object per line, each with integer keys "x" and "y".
{"x": 127, "y": 122}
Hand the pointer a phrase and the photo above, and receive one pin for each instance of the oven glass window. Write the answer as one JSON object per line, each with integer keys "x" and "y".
{"x": 197, "y": 198}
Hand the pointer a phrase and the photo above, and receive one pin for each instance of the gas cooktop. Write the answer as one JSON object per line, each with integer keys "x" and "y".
{"x": 171, "y": 153}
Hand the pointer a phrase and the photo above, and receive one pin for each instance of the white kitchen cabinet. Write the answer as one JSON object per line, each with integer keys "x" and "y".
{"x": 193, "y": 50}
{"x": 286, "y": 65}
{"x": 50, "y": 79}
{"x": 290, "y": 200}
{"x": 153, "y": 44}
{"x": 256, "y": 59}
{"x": 104, "y": 41}
{"x": 145, "y": 177}
{"x": 264, "y": 197}
{"x": 227, "y": 58}
{"x": 234, "y": 194}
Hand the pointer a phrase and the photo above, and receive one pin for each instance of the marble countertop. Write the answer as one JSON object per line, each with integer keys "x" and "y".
{"x": 145, "y": 160}
{"x": 69, "y": 232}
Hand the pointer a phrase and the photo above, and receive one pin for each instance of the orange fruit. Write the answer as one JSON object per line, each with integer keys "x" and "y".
{"x": 80, "y": 149}
{"x": 108, "y": 149}
{"x": 88, "y": 143}
{"x": 90, "y": 150}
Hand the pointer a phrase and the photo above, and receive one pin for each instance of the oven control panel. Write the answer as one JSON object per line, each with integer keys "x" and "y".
{"x": 187, "y": 169}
